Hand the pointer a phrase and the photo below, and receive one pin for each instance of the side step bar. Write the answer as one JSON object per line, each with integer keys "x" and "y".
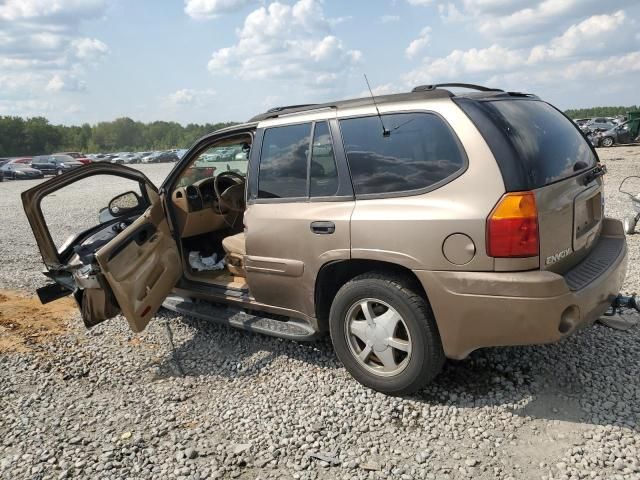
{"x": 292, "y": 329}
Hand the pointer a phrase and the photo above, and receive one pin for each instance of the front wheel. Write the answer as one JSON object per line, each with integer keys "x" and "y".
{"x": 59, "y": 172}
{"x": 606, "y": 142}
{"x": 384, "y": 333}
{"x": 629, "y": 224}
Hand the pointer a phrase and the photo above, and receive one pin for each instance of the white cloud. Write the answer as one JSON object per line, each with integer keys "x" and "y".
{"x": 389, "y": 18}
{"x": 13, "y": 10}
{"x": 188, "y": 96}
{"x": 579, "y": 47}
{"x": 40, "y": 42}
{"x": 292, "y": 41}
{"x": 206, "y": 9}
{"x": 67, "y": 83}
{"x": 89, "y": 48}
{"x": 420, "y": 3}
{"x": 525, "y": 21}
{"x": 450, "y": 13}
{"x": 595, "y": 33}
{"x": 418, "y": 44}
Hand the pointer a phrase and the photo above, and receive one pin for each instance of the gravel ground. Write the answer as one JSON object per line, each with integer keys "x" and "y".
{"x": 106, "y": 403}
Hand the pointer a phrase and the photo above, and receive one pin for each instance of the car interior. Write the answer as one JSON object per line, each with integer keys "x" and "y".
{"x": 208, "y": 200}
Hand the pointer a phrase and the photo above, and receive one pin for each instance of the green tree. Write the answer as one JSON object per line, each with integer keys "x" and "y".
{"x": 34, "y": 136}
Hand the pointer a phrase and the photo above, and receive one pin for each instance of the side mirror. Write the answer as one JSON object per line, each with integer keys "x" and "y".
{"x": 124, "y": 203}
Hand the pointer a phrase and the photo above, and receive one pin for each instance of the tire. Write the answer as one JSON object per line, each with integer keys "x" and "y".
{"x": 629, "y": 224}
{"x": 606, "y": 142}
{"x": 387, "y": 297}
{"x": 59, "y": 172}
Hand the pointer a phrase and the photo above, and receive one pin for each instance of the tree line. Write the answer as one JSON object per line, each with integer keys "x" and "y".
{"x": 600, "y": 111}
{"x": 36, "y": 136}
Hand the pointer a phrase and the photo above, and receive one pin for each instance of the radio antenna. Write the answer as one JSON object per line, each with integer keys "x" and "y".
{"x": 385, "y": 132}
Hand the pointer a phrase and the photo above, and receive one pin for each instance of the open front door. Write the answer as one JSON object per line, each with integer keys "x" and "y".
{"x": 141, "y": 265}
{"x": 119, "y": 254}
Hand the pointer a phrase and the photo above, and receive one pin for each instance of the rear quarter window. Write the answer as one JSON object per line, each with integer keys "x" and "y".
{"x": 547, "y": 145}
{"x": 420, "y": 152}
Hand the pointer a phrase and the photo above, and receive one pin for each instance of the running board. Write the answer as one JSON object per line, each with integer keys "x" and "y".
{"x": 292, "y": 329}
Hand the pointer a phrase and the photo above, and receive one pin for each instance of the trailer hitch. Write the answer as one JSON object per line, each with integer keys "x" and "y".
{"x": 622, "y": 302}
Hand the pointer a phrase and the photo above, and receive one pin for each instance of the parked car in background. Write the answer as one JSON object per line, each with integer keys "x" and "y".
{"x": 581, "y": 121}
{"x": 80, "y": 157}
{"x": 598, "y": 124}
{"x": 161, "y": 157}
{"x": 98, "y": 157}
{"x": 3, "y": 160}
{"x": 126, "y": 158}
{"x": 20, "y": 171}
{"x": 627, "y": 132}
{"x": 55, "y": 164}
{"x": 148, "y": 157}
{"x": 23, "y": 160}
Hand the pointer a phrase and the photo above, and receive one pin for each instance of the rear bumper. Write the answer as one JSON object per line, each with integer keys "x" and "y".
{"x": 483, "y": 309}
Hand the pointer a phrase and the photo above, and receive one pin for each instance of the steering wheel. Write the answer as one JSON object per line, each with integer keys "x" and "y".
{"x": 232, "y": 197}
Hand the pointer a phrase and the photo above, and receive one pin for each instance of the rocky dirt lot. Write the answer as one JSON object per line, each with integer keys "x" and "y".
{"x": 108, "y": 404}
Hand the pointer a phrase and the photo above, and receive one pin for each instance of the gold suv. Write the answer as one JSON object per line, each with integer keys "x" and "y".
{"x": 412, "y": 227}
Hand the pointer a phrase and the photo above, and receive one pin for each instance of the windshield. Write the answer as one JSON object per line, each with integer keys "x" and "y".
{"x": 216, "y": 159}
{"x": 549, "y": 144}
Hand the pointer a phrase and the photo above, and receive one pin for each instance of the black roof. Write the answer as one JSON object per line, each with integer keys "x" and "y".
{"x": 422, "y": 92}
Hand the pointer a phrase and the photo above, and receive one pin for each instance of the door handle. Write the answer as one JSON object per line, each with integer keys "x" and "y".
{"x": 323, "y": 228}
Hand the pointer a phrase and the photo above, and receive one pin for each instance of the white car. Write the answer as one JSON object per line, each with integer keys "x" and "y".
{"x": 126, "y": 158}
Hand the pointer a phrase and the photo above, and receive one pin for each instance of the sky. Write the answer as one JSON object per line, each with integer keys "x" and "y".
{"x": 77, "y": 61}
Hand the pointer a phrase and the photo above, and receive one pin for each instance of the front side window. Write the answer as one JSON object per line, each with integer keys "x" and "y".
{"x": 283, "y": 162}
{"x": 420, "y": 151}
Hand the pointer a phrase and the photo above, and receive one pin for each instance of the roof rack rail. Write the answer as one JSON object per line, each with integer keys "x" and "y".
{"x": 287, "y": 107}
{"x": 427, "y": 88}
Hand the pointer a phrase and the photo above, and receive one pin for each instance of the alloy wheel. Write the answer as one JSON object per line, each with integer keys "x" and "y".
{"x": 378, "y": 337}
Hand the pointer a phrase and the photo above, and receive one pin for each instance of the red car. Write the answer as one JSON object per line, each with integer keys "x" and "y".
{"x": 24, "y": 160}
{"x": 76, "y": 156}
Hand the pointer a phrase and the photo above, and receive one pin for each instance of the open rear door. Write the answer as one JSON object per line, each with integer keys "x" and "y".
{"x": 121, "y": 258}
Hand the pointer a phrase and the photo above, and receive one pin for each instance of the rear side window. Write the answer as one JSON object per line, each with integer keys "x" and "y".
{"x": 549, "y": 145}
{"x": 420, "y": 152}
{"x": 283, "y": 162}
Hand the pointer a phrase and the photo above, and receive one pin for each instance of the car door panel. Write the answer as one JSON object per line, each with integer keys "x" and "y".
{"x": 141, "y": 265}
{"x": 284, "y": 255}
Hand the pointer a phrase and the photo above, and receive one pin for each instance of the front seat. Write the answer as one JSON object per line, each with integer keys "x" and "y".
{"x": 236, "y": 249}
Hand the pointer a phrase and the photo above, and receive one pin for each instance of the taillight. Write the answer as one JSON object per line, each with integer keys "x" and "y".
{"x": 512, "y": 226}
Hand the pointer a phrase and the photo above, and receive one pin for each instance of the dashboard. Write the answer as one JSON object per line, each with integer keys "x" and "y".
{"x": 197, "y": 208}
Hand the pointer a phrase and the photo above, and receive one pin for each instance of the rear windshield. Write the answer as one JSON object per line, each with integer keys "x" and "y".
{"x": 549, "y": 144}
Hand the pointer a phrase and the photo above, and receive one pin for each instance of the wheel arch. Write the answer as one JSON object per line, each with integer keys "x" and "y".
{"x": 333, "y": 275}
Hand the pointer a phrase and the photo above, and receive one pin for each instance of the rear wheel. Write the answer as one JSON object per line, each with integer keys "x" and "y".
{"x": 606, "y": 142}
{"x": 629, "y": 224}
{"x": 385, "y": 334}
